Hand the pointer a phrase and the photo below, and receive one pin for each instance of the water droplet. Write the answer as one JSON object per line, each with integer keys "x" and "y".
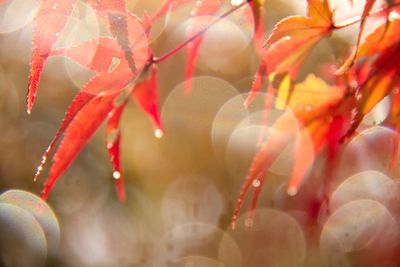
{"x": 158, "y": 133}
{"x": 116, "y": 175}
{"x": 256, "y": 183}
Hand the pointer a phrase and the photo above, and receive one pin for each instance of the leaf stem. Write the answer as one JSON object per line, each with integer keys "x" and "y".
{"x": 357, "y": 19}
{"x": 198, "y": 34}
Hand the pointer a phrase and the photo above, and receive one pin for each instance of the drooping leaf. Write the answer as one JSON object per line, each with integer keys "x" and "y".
{"x": 349, "y": 61}
{"x": 259, "y": 29}
{"x": 205, "y": 8}
{"x": 48, "y": 23}
{"x": 309, "y": 144}
{"x": 146, "y": 95}
{"x": 283, "y": 131}
{"x": 310, "y": 107}
{"x": 88, "y": 92}
{"x": 384, "y": 75}
{"x": 113, "y": 140}
{"x": 78, "y": 133}
{"x": 77, "y": 104}
{"x": 258, "y": 81}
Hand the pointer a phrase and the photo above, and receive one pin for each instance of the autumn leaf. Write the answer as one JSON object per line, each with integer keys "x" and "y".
{"x": 384, "y": 75}
{"x": 78, "y": 133}
{"x": 349, "y": 61}
{"x": 99, "y": 55}
{"x": 307, "y": 120}
{"x": 205, "y": 8}
{"x": 291, "y": 40}
{"x": 113, "y": 141}
{"x": 293, "y": 37}
{"x": 88, "y": 92}
{"x": 77, "y": 104}
{"x": 145, "y": 94}
{"x": 48, "y": 23}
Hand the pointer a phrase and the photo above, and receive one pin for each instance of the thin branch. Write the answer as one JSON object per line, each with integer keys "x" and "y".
{"x": 357, "y": 19}
{"x": 198, "y": 34}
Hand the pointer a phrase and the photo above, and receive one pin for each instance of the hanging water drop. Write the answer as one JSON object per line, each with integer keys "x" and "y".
{"x": 158, "y": 133}
{"x": 256, "y": 183}
{"x": 116, "y": 175}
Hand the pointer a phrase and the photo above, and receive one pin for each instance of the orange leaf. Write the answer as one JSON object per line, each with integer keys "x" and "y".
{"x": 349, "y": 61}
{"x": 293, "y": 37}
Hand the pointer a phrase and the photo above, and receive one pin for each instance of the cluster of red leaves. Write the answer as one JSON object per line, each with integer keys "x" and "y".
{"x": 124, "y": 68}
{"x": 327, "y": 113}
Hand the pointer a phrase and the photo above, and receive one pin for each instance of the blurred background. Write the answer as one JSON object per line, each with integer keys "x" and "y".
{"x": 182, "y": 188}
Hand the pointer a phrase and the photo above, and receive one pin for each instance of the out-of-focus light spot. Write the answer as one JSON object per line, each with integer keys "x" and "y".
{"x": 184, "y": 239}
{"x": 197, "y": 261}
{"x": 111, "y": 236}
{"x": 264, "y": 243}
{"x": 206, "y": 98}
{"x": 16, "y": 14}
{"x": 40, "y": 210}
{"x": 363, "y": 226}
{"x": 22, "y": 240}
{"x": 190, "y": 200}
{"x": 224, "y": 38}
{"x": 372, "y": 149}
{"x": 371, "y": 185}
